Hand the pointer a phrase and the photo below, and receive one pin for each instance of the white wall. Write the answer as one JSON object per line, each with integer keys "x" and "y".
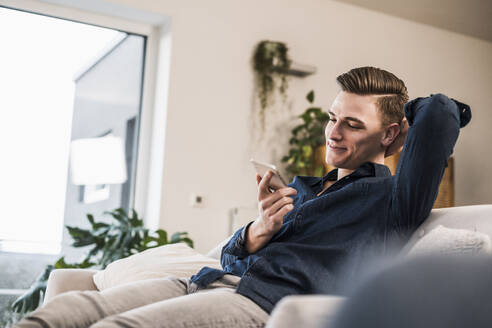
{"x": 208, "y": 132}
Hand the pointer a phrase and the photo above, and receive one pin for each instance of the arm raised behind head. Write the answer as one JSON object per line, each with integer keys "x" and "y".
{"x": 434, "y": 122}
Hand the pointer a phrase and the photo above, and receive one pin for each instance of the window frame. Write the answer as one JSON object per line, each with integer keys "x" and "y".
{"x": 147, "y": 191}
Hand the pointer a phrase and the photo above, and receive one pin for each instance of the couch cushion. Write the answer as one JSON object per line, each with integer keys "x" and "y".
{"x": 306, "y": 311}
{"x": 442, "y": 240}
{"x": 473, "y": 217}
{"x": 178, "y": 260}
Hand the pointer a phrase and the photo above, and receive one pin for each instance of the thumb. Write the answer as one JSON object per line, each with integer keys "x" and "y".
{"x": 263, "y": 189}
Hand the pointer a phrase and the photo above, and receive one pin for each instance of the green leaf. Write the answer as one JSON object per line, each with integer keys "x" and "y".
{"x": 293, "y": 140}
{"x": 126, "y": 243}
{"x": 118, "y": 214}
{"x": 90, "y": 217}
{"x": 310, "y": 96}
{"x": 120, "y": 211}
{"x": 188, "y": 241}
{"x": 297, "y": 129}
{"x": 306, "y": 116}
{"x": 32, "y": 298}
{"x": 61, "y": 264}
{"x": 100, "y": 232}
{"x": 94, "y": 224}
{"x": 307, "y": 151}
{"x": 178, "y": 237}
{"x": 162, "y": 239}
{"x": 149, "y": 242}
{"x": 81, "y": 237}
{"x": 134, "y": 220}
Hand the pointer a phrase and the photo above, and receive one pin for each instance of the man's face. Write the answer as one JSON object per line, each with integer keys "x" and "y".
{"x": 354, "y": 132}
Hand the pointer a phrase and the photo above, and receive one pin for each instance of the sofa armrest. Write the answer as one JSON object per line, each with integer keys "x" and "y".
{"x": 307, "y": 311}
{"x": 64, "y": 280}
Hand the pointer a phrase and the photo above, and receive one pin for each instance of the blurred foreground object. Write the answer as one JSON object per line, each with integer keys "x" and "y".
{"x": 432, "y": 291}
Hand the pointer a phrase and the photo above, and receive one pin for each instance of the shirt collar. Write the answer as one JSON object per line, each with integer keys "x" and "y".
{"x": 381, "y": 170}
{"x": 368, "y": 169}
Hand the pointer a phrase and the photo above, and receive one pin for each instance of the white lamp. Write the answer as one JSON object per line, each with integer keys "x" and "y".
{"x": 98, "y": 161}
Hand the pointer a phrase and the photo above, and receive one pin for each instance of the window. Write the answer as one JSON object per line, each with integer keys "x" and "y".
{"x": 64, "y": 83}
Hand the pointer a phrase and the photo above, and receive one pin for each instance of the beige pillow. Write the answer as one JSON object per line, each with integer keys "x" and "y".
{"x": 442, "y": 240}
{"x": 178, "y": 260}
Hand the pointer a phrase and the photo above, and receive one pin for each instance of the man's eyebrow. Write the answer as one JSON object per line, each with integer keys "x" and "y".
{"x": 348, "y": 118}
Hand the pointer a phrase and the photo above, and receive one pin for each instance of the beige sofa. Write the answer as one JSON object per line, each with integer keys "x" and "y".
{"x": 307, "y": 310}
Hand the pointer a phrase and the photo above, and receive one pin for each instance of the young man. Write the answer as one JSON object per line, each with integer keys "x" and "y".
{"x": 310, "y": 235}
{"x": 315, "y": 234}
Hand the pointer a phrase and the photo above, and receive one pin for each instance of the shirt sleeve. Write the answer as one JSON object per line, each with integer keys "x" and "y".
{"x": 235, "y": 247}
{"x": 434, "y": 124}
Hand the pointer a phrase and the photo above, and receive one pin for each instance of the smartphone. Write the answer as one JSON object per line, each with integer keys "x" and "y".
{"x": 261, "y": 168}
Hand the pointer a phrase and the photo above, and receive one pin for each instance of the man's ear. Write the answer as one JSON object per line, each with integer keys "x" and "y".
{"x": 390, "y": 134}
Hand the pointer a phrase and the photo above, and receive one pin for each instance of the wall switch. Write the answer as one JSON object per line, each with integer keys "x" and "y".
{"x": 196, "y": 200}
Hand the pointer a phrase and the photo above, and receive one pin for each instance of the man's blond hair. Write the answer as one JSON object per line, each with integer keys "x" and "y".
{"x": 375, "y": 81}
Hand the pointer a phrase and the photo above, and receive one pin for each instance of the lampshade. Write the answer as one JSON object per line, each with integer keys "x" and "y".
{"x": 96, "y": 161}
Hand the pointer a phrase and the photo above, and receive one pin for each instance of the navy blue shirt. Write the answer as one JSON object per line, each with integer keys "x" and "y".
{"x": 325, "y": 238}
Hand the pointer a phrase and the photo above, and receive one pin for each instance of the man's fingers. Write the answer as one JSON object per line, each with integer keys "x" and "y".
{"x": 267, "y": 201}
{"x": 404, "y": 125}
{"x": 279, "y": 216}
{"x": 258, "y": 179}
{"x": 280, "y": 203}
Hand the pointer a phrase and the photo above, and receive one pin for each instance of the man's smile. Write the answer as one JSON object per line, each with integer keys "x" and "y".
{"x": 336, "y": 149}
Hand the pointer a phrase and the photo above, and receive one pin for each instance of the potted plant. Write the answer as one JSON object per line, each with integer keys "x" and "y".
{"x": 306, "y": 154}
{"x": 121, "y": 238}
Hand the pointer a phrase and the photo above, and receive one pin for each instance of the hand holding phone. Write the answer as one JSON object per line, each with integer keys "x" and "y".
{"x": 276, "y": 181}
{"x": 273, "y": 205}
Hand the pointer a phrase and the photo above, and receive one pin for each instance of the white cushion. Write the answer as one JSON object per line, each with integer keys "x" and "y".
{"x": 470, "y": 217}
{"x": 306, "y": 311}
{"x": 216, "y": 252}
{"x": 442, "y": 240}
{"x": 178, "y": 260}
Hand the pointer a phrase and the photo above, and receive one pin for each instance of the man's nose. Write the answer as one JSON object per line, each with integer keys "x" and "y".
{"x": 334, "y": 133}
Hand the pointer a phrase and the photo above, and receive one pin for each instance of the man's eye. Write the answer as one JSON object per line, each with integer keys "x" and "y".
{"x": 350, "y": 126}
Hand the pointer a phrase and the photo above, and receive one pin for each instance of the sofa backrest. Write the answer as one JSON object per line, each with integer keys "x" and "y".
{"x": 217, "y": 250}
{"x": 471, "y": 217}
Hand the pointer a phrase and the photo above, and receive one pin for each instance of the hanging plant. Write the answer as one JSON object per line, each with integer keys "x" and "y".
{"x": 270, "y": 63}
{"x": 306, "y": 138}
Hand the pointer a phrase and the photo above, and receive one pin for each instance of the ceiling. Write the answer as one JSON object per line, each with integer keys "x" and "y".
{"x": 469, "y": 17}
